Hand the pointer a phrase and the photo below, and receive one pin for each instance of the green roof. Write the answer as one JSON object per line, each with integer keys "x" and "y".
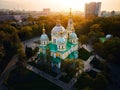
{"x": 53, "y": 47}
{"x": 68, "y": 47}
{"x": 43, "y": 47}
{"x": 73, "y": 55}
{"x": 102, "y": 39}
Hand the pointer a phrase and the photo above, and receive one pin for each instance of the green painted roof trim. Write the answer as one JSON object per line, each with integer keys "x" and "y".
{"x": 72, "y": 55}
{"x": 53, "y": 47}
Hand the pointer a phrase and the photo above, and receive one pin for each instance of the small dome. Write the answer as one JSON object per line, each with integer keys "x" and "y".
{"x": 61, "y": 41}
{"x": 44, "y": 37}
{"x": 73, "y": 36}
{"x": 108, "y": 36}
{"x": 57, "y": 30}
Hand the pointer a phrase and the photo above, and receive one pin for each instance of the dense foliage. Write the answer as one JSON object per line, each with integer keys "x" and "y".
{"x": 89, "y": 31}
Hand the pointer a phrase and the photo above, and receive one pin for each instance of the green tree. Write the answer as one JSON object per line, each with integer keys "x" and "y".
{"x": 100, "y": 82}
{"x": 72, "y": 66}
{"x": 83, "y": 39}
{"x": 25, "y": 32}
{"x": 112, "y": 49}
{"x": 29, "y": 52}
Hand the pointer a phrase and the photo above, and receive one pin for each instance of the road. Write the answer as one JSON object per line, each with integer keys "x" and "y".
{"x": 87, "y": 66}
{"x": 8, "y": 69}
{"x": 30, "y": 43}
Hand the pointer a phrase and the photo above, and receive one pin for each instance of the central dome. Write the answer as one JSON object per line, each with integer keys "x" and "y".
{"x": 58, "y": 30}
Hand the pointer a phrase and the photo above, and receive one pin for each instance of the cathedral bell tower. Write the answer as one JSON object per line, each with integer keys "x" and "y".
{"x": 70, "y": 26}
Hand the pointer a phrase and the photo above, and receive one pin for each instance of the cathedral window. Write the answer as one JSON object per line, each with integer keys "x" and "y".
{"x": 54, "y": 40}
{"x": 44, "y": 43}
{"x": 62, "y": 47}
{"x": 59, "y": 47}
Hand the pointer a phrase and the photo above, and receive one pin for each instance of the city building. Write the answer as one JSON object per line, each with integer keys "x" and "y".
{"x": 113, "y": 13}
{"x": 46, "y": 10}
{"x": 63, "y": 43}
{"x": 92, "y": 9}
{"x": 17, "y": 18}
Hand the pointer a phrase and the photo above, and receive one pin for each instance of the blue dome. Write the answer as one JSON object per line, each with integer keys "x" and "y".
{"x": 73, "y": 36}
{"x": 108, "y": 36}
{"x": 61, "y": 41}
{"x": 44, "y": 37}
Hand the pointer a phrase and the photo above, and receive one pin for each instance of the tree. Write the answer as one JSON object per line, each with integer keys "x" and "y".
{"x": 29, "y": 52}
{"x": 96, "y": 27}
{"x": 8, "y": 29}
{"x": 25, "y": 32}
{"x": 83, "y": 39}
{"x": 99, "y": 48}
{"x": 100, "y": 82}
{"x": 72, "y": 66}
{"x": 2, "y": 52}
{"x": 87, "y": 88}
{"x": 112, "y": 49}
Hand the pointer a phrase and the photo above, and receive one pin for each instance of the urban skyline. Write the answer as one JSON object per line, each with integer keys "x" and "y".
{"x": 59, "y": 5}
{"x": 93, "y": 9}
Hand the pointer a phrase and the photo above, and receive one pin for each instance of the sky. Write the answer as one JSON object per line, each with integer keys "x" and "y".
{"x": 57, "y": 5}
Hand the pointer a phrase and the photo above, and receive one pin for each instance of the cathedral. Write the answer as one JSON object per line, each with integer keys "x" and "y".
{"x": 63, "y": 43}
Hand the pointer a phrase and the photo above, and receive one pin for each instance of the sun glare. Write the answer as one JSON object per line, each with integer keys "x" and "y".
{"x": 74, "y": 4}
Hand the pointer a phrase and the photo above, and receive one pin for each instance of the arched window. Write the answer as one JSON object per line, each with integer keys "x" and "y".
{"x": 62, "y": 47}
{"x": 59, "y": 47}
{"x": 54, "y": 40}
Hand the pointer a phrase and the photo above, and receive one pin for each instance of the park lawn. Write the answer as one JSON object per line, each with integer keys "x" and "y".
{"x": 23, "y": 79}
{"x": 83, "y": 54}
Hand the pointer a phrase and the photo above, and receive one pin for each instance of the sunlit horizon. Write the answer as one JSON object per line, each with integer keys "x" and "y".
{"x": 57, "y": 5}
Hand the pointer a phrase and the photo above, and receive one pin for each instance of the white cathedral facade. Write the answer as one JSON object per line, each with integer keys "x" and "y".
{"x": 63, "y": 43}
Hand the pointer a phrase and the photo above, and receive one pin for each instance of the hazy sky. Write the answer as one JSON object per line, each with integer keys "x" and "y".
{"x": 57, "y": 5}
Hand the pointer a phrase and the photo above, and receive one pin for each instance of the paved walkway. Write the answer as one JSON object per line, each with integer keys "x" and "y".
{"x": 30, "y": 43}
{"x": 96, "y": 70}
{"x": 87, "y": 66}
{"x": 87, "y": 47}
{"x": 55, "y": 80}
{"x": 99, "y": 58}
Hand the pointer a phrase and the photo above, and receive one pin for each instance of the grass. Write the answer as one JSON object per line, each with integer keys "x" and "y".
{"x": 83, "y": 54}
{"x": 23, "y": 79}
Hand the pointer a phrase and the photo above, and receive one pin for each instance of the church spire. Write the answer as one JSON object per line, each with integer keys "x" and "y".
{"x": 43, "y": 29}
{"x": 70, "y": 26}
{"x": 70, "y": 14}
